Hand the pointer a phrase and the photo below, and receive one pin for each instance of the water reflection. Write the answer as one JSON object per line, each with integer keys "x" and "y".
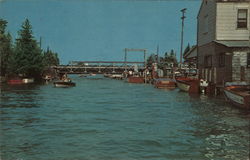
{"x": 109, "y": 119}
{"x": 223, "y": 129}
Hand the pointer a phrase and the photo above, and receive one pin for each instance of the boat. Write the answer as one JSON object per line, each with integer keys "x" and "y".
{"x": 66, "y": 82}
{"x": 165, "y": 83}
{"x": 28, "y": 80}
{"x": 134, "y": 79}
{"x": 15, "y": 81}
{"x": 187, "y": 84}
{"x": 82, "y": 75}
{"x": 238, "y": 93}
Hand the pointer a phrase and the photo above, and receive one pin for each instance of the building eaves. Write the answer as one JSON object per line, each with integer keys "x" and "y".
{"x": 236, "y": 44}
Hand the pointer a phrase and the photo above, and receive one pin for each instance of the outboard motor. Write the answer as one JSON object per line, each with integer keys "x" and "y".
{"x": 203, "y": 85}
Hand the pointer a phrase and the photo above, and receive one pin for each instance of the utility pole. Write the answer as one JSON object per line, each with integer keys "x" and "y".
{"x": 157, "y": 60}
{"x": 182, "y": 32}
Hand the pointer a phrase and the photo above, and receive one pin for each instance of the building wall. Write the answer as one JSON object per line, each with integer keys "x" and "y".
{"x": 208, "y": 9}
{"x": 239, "y": 60}
{"x": 216, "y": 73}
{"x": 226, "y": 26}
{"x": 223, "y": 73}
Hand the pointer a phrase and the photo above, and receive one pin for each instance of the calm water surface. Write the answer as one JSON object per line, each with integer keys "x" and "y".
{"x": 102, "y": 119}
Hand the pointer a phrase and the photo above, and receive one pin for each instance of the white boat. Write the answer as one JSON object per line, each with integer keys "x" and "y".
{"x": 187, "y": 84}
{"x": 183, "y": 86}
{"x": 28, "y": 80}
{"x": 238, "y": 94}
{"x": 64, "y": 83}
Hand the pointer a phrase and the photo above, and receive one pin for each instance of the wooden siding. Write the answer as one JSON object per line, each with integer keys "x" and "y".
{"x": 226, "y": 26}
{"x": 207, "y": 10}
{"x": 216, "y": 74}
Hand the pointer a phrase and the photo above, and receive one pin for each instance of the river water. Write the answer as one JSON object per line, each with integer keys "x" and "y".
{"x": 103, "y": 119}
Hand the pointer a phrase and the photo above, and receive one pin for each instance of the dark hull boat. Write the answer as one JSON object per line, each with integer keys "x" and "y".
{"x": 238, "y": 94}
{"x": 62, "y": 84}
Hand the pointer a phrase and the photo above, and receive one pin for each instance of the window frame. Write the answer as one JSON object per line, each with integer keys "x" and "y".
{"x": 245, "y": 20}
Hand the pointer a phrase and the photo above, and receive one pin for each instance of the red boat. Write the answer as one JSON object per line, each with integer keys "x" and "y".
{"x": 190, "y": 85}
{"x": 133, "y": 79}
{"x": 238, "y": 94}
{"x": 165, "y": 83}
{"x": 15, "y": 81}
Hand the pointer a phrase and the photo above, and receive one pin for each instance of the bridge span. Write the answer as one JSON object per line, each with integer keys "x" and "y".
{"x": 81, "y": 67}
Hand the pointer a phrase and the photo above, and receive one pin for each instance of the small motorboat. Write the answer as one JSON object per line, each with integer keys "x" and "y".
{"x": 187, "y": 84}
{"x": 82, "y": 75}
{"x": 64, "y": 83}
{"x": 15, "y": 81}
{"x": 238, "y": 93}
{"x": 165, "y": 83}
{"x": 28, "y": 80}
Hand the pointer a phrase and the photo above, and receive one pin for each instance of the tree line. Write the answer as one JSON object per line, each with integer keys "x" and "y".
{"x": 163, "y": 62}
{"x": 169, "y": 59}
{"x": 23, "y": 57}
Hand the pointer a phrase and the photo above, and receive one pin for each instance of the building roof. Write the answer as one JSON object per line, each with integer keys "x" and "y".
{"x": 234, "y": 43}
{"x": 191, "y": 53}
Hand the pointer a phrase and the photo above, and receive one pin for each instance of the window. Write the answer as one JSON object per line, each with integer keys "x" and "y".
{"x": 222, "y": 60}
{"x": 248, "y": 60}
{"x": 242, "y": 18}
{"x": 208, "y": 61}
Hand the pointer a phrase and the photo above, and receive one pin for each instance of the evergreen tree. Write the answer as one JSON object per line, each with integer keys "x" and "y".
{"x": 28, "y": 55}
{"x": 151, "y": 59}
{"x": 5, "y": 48}
{"x": 50, "y": 58}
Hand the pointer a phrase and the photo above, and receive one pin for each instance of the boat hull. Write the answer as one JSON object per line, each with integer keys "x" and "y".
{"x": 15, "y": 81}
{"x": 183, "y": 86}
{"x": 135, "y": 80}
{"x": 165, "y": 84}
{"x": 64, "y": 84}
{"x": 238, "y": 96}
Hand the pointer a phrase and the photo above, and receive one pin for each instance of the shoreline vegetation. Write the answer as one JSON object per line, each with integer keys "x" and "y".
{"x": 24, "y": 57}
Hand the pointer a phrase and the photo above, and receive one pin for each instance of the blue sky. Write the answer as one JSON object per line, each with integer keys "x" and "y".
{"x": 101, "y": 29}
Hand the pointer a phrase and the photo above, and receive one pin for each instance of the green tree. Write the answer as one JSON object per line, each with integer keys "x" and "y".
{"x": 28, "y": 55}
{"x": 5, "y": 48}
{"x": 151, "y": 59}
{"x": 50, "y": 58}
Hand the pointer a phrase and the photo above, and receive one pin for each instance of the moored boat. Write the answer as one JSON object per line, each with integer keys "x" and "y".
{"x": 165, "y": 83}
{"x": 186, "y": 84}
{"x": 133, "y": 79}
{"x": 15, "y": 81}
{"x": 238, "y": 94}
{"x": 28, "y": 80}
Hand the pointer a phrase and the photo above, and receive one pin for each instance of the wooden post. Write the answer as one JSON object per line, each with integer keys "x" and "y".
{"x": 125, "y": 59}
{"x": 145, "y": 67}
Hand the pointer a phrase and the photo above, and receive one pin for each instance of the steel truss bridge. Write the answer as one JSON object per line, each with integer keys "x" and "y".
{"x": 78, "y": 67}
{"x": 99, "y": 67}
